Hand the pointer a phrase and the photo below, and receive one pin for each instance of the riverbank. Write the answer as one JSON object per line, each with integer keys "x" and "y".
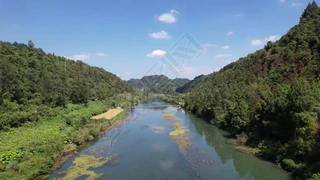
{"x": 37, "y": 149}
{"x": 111, "y": 113}
{"x": 239, "y": 142}
{"x": 166, "y": 143}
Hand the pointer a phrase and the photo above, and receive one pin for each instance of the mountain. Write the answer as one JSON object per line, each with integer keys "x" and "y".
{"x": 29, "y": 77}
{"x": 158, "y": 83}
{"x": 273, "y": 97}
{"x": 191, "y": 84}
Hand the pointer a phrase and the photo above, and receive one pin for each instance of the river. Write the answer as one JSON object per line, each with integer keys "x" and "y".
{"x": 147, "y": 147}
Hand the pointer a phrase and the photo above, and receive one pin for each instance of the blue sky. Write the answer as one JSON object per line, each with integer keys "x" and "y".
{"x": 128, "y": 37}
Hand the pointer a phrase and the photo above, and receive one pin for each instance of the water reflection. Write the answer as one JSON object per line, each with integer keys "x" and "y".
{"x": 147, "y": 150}
{"x": 247, "y": 166}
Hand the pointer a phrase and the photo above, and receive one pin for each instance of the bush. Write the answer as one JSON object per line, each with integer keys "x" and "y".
{"x": 68, "y": 122}
{"x": 289, "y": 165}
{"x": 83, "y": 121}
{"x": 315, "y": 177}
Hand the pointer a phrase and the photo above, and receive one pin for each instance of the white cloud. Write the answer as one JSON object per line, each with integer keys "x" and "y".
{"x": 223, "y": 55}
{"x": 282, "y": 1}
{"x": 157, "y": 53}
{"x": 230, "y": 33}
{"x": 239, "y": 15}
{"x": 294, "y": 4}
{"x": 256, "y": 42}
{"x": 124, "y": 75}
{"x": 85, "y": 56}
{"x": 226, "y": 47}
{"x": 81, "y": 57}
{"x": 259, "y": 42}
{"x": 272, "y": 38}
{"x": 160, "y": 35}
{"x": 208, "y": 45}
{"x": 169, "y": 17}
{"x": 101, "y": 54}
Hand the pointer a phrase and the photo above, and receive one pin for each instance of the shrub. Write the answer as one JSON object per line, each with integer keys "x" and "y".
{"x": 83, "y": 121}
{"x": 68, "y": 122}
{"x": 315, "y": 176}
{"x": 289, "y": 165}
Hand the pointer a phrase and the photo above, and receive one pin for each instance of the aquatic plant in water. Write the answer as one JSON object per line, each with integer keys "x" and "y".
{"x": 179, "y": 137}
{"x": 195, "y": 158}
{"x": 170, "y": 116}
{"x": 83, "y": 163}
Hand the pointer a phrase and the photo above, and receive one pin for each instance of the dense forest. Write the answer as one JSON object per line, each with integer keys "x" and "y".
{"x": 31, "y": 80}
{"x": 191, "y": 84}
{"x": 158, "y": 84}
{"x": 46, "y": 103}
{"x": 273, "y": 97}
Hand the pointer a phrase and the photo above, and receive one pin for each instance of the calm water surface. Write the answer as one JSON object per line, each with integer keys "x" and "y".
{"x": 147, "y": 151}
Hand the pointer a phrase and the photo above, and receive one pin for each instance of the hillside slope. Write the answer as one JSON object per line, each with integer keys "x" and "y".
{"x": 31, "y": 79}
{"x": 191, "y": 84}
{"x": 273, "y": 96}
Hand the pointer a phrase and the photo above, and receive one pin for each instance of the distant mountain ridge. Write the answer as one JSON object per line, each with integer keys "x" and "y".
{"x": 158, "y": 83}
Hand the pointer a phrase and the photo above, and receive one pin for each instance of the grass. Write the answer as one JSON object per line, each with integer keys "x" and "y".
{"x": 248, "y": 150}
{"x": 37, "y": 148}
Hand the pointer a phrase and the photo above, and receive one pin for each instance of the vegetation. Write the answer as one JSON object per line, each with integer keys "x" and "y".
{"x": 158, "y": 84}
{"x": 174, "y": 98}
{"x": 46, "y": 103}
{"x": 191, "y": 84}
{"x": 32, "y": 80}
{"x": 82, "y": 165}
{"x": 178, "y": 134}
{"x": 169, "y": 116}
{"x": 38, "y": 147}
{"x": 273, "y": 96}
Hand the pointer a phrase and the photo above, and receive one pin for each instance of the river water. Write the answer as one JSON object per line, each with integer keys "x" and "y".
{"x": 145, "y": 149}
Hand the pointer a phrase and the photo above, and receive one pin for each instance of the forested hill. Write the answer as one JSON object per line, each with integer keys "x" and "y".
{"x": 158, "y": 83}
{"x": 273, "y": 96}
{"x": 30, "y": 77}
{"x": 191, "y": 84}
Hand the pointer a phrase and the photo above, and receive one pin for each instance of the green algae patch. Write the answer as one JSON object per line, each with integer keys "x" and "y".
{"x": 182, "y": 142}
{"x": 178, "y": 130}
{"x": 194, "y": 158}
{"x": 169, "y": 116}
{"x": 179, "y": 137}
{"x": 83, "y": 163}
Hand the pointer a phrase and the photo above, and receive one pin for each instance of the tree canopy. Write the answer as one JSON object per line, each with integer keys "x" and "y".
{"x": 158, "y": 83}
{"x": 29, "y": 77}
{"x": 272, "y": 95}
